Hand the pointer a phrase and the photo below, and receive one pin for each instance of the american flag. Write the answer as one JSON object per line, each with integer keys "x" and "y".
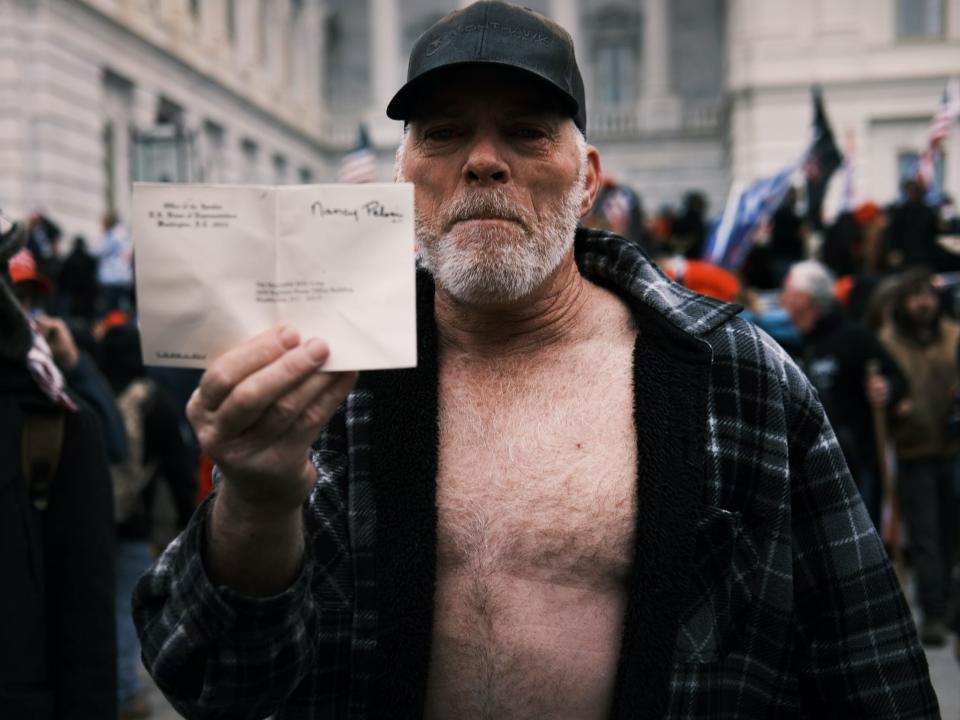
{"x": 939, "y": 131}
{"x": 360, "y": 164}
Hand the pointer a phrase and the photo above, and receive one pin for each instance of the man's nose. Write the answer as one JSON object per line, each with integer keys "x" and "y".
{"x": 485, "y": 164}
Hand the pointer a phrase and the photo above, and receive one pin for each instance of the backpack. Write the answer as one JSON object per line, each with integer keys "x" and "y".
{"x": 40, "y": 452}
{"x": 132, "y": 475}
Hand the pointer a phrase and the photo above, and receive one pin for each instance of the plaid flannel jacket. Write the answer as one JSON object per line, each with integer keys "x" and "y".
{"x": 790, "y": 607}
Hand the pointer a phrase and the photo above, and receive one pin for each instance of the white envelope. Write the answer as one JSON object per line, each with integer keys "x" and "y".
{"x": 217, "y": 264}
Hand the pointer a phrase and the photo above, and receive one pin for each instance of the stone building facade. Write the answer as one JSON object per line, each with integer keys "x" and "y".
{"x": 99, "y": 93}
{"x": 682, "y": 94}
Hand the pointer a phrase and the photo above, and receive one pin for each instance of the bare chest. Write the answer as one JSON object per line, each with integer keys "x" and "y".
{"x": 537, "y": 470}
{"x": 536, "y": 503}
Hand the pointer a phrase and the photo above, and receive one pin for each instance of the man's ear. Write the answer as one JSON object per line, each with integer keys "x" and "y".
{"x": 592, "y": 182}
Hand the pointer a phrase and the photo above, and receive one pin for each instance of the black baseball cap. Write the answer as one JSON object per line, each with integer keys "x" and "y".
{"x": 498, "y": 34}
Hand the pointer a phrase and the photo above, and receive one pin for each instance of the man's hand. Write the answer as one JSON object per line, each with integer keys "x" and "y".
{"x": 256, "y": 412}
{"x": 878, "y": 390}
{"x": 60, "y": 339}
{"x": 258, "y": 409}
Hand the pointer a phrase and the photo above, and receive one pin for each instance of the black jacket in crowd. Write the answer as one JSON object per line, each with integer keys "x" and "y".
{"x": 57, "y": 636}
{"x": 834, "y": 357}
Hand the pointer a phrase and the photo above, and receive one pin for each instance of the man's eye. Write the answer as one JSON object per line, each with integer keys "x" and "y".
{"x": 529, "y": 133}
{"x": 440, "y": 134}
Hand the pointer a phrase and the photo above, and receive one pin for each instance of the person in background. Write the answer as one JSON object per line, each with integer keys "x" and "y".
{"x": 787, "y": 237}
{"x": 78, "y": 287}
{"x": 690, "y": 228}
{"x": 157, "y": 452}
{"x": 925, "y": 344}
{"x": 79, "y": 369}
{"x": 836, "y": 355}
{"x": 842, "y": 249}
{"x": 911, "y": 237}
{"x": 115, "y": 270}
{"x": 57, "y": 655}
{"x": 619, "y": 209}
{"x": 43, "y": 243}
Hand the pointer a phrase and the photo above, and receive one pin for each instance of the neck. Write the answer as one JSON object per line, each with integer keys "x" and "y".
{"x": 551, "y": 315}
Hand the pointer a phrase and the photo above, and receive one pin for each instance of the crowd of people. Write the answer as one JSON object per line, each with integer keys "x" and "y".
{"x": 110, "y": 471}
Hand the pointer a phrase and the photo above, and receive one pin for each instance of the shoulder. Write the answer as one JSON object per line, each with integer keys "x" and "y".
{"x": 750, "y": 363}
{"x": 741, "y": 343}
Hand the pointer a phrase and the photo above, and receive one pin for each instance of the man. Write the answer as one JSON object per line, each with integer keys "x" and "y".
{"x": 836, "y": 356}
{"x": 912, "y": 234}
{"x": 581, "y": 503}
{"x": 925, "y": 344}
{"x": 115, "y": 269}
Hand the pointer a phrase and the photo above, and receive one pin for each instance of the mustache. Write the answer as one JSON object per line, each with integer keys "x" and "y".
{"x": 487, "y": 205}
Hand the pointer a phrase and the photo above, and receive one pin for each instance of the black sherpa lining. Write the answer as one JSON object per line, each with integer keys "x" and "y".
{"x": 670, "y": 376}
{"x": 670, "y": 389}
{"x": 404, "y": 465}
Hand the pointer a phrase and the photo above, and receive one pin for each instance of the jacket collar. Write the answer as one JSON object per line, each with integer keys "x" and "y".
{"x": 613, "y": 261}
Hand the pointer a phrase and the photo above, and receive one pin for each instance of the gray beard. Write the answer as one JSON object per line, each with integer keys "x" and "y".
{"x": 500, "y": 262}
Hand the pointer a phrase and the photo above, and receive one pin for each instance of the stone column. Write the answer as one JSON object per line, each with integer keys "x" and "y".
{"x": 658, "y": 106}
{"x": 387, "y": 69}
{"x": 566, "y": 13}
{"x": 310, "y": 56}
{"x": 656, "y": 49}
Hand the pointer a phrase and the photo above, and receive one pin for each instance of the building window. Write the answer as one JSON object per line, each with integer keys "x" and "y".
{"x": 614, "y": 68}
{"x": 346, "y": 82}
{"x": 614, "y": 45}
{"x": 920, "y": 18}
{"x": 907, "y": 167}
{"x": 279, "y": 170}
{"x": 305, "y": 176}
{"x": 213, "y": 153}
{"x": 165, "y": 152}
{"x": 169, "y": 113}
{"x": 251, "y": 154}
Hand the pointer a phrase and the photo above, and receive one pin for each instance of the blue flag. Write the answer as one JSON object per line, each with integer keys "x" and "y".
{"x": 732, "y": 237}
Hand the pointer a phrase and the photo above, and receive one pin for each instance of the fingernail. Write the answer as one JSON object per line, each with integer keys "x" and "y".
{"x": 317, "y": 349}
{"x": 289, "y": 338}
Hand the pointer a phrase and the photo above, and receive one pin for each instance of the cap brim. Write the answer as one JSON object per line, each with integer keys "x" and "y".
{"x": 401, "y": 106}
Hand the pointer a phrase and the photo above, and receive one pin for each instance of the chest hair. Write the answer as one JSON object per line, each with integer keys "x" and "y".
{"x": 537, "y": 463}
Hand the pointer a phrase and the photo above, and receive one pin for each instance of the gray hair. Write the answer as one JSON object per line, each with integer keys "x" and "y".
{"x": 814, "y": 278}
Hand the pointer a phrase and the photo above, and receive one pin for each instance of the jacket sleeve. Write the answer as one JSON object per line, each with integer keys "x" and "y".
{"x": 217, "y": 654}
{"x": 858, "y": 652}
